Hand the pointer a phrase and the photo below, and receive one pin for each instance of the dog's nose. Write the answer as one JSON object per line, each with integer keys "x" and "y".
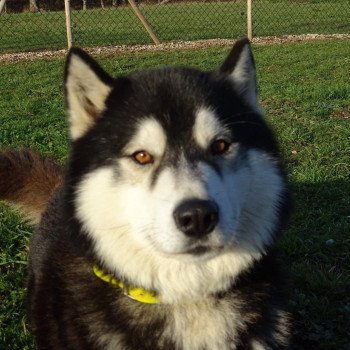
{"x": 196, "y": 218}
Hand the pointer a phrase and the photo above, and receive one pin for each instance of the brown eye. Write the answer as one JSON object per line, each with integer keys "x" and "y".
{"x": 143, "y": 157}
{"x": 219, "y": 147}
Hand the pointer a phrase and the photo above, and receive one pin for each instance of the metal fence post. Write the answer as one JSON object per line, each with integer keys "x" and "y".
{"x": 2, "y": 5}
{"x": 68, "y": 23}
{"x": 249, "y": 20}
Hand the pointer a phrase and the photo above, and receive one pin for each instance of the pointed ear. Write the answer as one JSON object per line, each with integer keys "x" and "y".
{"x": 239, "y": 66}
{"x": 87, "y": 87}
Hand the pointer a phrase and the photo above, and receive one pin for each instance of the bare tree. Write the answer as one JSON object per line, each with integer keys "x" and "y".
{"x": 33, "y": 6}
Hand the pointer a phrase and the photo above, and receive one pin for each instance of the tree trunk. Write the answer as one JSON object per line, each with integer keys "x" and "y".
{"x": 33, "y": 6}
{"x": 102, "y": 4}
{"x": 84, "y": 5}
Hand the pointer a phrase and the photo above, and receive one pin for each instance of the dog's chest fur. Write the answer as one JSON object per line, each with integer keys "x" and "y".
{"x": 207, "y": 324}
{"x": 94, "y": 314}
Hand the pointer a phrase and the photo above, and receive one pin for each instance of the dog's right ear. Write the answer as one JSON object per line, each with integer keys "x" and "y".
{"x": 239, "y": 67}
{"x": 87, "y": 87}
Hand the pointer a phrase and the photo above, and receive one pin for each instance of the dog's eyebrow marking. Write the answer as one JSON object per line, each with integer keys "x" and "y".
{"x": 206, "y": 127}
{"x": 257, "y": 345}
{"x": 150, "y": 136}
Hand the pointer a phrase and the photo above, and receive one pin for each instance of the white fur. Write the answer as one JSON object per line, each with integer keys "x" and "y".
{"x": 207, "y": 127}
{"x": 183, "y": 183}
{"x": 108, "y": 340}
{"x": 150, "y": 137}
{"x": 85, "y": 91}
{"x": 283, "y": 327}
{"x": 205, "y": 324}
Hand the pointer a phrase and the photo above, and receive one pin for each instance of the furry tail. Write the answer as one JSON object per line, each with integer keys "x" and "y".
{"x": 27, "y": 181}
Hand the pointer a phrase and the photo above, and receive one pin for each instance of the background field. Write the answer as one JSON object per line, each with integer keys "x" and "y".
{"x": 178, "y": 21}
{"x": 305, "y": 90}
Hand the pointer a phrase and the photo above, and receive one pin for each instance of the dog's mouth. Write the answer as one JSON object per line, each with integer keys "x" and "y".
{"x": 206, "y": 251}
{"x": 199, "y": 250}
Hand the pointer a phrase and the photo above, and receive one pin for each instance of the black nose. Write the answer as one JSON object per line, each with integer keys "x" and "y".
{"x": 196, "y": 218}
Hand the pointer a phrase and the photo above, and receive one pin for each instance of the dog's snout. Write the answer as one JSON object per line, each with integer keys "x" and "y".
{"x": 196, "y": 218}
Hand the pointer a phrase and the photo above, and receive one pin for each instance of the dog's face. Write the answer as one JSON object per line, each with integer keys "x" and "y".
{"x": 172, "y": 163}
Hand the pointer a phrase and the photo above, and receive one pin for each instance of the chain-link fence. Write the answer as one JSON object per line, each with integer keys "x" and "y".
{"x": 41, "y": 24}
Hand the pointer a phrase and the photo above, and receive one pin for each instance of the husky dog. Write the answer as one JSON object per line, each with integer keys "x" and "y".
{"x": 160, "y": 233}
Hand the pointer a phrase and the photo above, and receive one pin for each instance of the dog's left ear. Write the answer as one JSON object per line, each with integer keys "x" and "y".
{"x": 239, "y": 66}
{"x": 87, "y": 87}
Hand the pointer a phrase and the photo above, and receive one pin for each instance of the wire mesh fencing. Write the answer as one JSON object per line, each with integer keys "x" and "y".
{"x": 276, "y": 17}
{"x": 171, "y": 21}
{"x": 41, "y": 24}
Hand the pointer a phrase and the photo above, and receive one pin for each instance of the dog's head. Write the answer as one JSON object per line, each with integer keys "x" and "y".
{"x": 175, "y": 166}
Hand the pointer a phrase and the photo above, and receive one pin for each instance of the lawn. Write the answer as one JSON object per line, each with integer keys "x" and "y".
{"x": 305, "y": 90}
{"x": 178, "y": 21}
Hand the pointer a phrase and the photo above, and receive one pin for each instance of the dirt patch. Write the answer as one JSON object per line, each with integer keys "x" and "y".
{"x": 176, "y": 45}
{"x": 341, "y": 114}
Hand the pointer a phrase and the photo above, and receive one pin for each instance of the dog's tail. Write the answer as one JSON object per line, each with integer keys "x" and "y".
{"x": 27, "y": 181}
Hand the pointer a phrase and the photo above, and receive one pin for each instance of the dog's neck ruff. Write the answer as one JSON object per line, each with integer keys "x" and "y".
{"x": 135, "y": 293}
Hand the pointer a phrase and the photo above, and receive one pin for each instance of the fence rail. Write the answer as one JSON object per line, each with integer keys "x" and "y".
{"x": 41, "y": 24}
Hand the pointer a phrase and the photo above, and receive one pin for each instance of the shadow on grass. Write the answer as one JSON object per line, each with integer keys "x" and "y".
{"x": 317, "y": 245}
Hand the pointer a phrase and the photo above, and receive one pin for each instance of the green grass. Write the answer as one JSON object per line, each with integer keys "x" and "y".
{"x": 179, "y": 21}
{"x": 305, "y": 90}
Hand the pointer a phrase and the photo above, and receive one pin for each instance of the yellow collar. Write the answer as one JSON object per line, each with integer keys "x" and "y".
{"x": 139, "y": 294}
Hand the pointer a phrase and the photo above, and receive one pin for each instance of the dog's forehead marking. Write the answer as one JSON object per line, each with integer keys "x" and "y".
{"x": 206, "y": 127}
{"x": 149, "y": 136}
